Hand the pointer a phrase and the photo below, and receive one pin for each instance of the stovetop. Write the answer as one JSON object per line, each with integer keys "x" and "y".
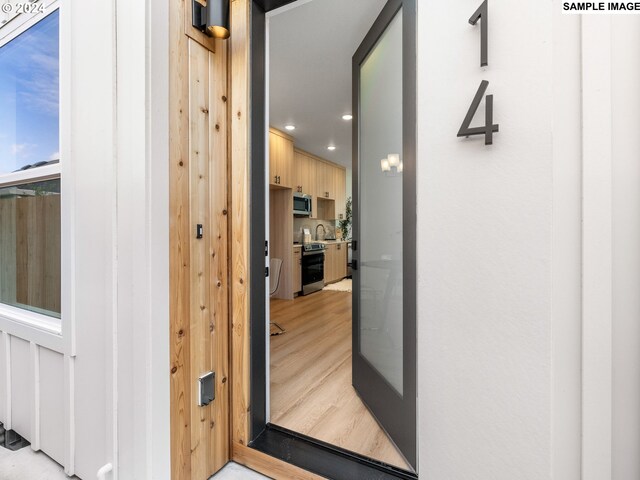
{"x": 312, "y": 247}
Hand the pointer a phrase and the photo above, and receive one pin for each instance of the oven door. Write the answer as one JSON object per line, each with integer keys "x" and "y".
{"x": 312, "y": 272}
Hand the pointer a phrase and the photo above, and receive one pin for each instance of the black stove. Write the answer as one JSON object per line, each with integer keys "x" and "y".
{"x": 312, "y": 267}
{"x": 312, "y": 247}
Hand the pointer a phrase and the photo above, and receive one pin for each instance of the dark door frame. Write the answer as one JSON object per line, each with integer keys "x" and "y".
{"x": 395, "y": 411}
{"x": 310, "y": 454}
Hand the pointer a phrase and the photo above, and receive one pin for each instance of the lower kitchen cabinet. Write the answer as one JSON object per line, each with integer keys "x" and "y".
{"x": 335, "y": 262}
{"x": 340, "y": 259}
{"x": 297, "y": 269}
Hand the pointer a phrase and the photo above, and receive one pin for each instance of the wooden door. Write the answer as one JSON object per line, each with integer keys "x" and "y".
{"x": 199, "y": 283}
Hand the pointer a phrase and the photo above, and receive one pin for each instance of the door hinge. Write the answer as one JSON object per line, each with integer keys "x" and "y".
{"x": 266, "y": 271}
{"x": 206, "y": 389}
{"x": 354, "y": 245}
{"x": 354, "y": 264}
{"x": 266, "y": 248}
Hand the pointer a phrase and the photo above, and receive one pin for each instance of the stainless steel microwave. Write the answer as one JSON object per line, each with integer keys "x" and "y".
{"x": 301, "y": 204}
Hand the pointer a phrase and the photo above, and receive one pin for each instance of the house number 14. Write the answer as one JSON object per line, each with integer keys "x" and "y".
{"x": 466, "y": 130}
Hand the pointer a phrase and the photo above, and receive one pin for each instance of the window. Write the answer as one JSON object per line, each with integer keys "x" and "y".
{"x": 30, "y": 274}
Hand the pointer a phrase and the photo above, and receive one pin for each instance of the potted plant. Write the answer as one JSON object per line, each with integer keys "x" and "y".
{"x": 345, "y": 225}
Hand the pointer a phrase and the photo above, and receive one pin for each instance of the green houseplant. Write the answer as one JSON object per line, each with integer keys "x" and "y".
{"x": 345, "y": 225}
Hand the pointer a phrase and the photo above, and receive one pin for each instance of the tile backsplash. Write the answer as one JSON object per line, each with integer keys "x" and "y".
{"x": 311, "y": 223}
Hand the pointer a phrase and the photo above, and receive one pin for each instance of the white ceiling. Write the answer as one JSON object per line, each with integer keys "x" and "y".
{"x": 310, "y": 50}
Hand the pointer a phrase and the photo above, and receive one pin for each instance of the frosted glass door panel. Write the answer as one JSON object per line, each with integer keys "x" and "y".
{"x": 380, "y": 123}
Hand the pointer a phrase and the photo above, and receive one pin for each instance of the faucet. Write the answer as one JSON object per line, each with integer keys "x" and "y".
{"x": 324, "y": 232}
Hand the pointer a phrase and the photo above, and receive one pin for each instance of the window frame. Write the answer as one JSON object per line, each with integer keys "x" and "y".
{"x": 50, "y": 332}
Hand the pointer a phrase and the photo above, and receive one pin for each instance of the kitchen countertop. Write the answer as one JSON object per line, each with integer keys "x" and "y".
{"x": 326, "y": 242}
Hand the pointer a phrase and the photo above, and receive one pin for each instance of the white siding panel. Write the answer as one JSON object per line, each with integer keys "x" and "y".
{"x": 21, "y": 387}
{"x": 626, "y": 251}
{"x": 52, "y": 401}
{"x": 3, "y": 382}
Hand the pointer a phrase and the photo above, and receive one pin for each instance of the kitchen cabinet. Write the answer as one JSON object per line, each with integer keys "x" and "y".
{"x": 297, "y": 269}
{"x": 304, "y": 173}
{"x": 326, "y": 180}
{"x": 280, "y": 159}
{"x": 304, "y": 178}
{"x": 335, "y": 262}
{"x": 340, "y": 261}
{"x": 330, "y": 252}
{"x": 341, "y": 193}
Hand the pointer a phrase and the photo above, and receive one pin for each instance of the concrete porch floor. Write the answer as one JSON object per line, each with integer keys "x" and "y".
{"x": 25, "y": 464}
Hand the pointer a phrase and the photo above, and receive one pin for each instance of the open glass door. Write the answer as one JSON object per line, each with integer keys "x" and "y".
{"x": 384, "y": 227}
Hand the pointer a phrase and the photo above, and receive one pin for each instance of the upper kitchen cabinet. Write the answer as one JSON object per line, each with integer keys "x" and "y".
{"x": 304, "y": 173}
{"x": 280, "y": 159}
{"x": 341, "y": 192}
{"x": 326, "y": 181}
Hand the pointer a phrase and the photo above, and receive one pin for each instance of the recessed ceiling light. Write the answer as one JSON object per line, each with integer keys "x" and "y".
{"x": 290, "y": 127}
{"x": 331, "y": 147}
{"x": 347, "y": 117}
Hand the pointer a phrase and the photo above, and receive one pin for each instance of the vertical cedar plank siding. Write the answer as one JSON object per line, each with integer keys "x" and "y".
{"x": 199, "y": 283}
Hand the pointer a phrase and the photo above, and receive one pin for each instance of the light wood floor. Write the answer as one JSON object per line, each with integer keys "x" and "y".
{"x": 311, "y": 390}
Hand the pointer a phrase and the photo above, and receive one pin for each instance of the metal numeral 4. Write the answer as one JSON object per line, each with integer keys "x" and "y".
{"x": 466, "y": 130}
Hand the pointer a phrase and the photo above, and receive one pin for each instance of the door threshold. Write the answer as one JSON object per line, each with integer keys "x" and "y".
{"x": 323, "y": 458}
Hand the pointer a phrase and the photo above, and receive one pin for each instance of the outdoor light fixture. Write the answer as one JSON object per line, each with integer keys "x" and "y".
{"x": 212, "y": 19}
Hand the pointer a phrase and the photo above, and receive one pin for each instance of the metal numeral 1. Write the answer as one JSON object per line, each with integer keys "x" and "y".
{"x": 482, "y": 13}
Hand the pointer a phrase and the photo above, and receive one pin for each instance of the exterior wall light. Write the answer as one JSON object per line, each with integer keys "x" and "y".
{"x": 212, "y": 19}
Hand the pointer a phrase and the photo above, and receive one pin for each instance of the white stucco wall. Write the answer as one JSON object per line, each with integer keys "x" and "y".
{"x": 528, "y": 262}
